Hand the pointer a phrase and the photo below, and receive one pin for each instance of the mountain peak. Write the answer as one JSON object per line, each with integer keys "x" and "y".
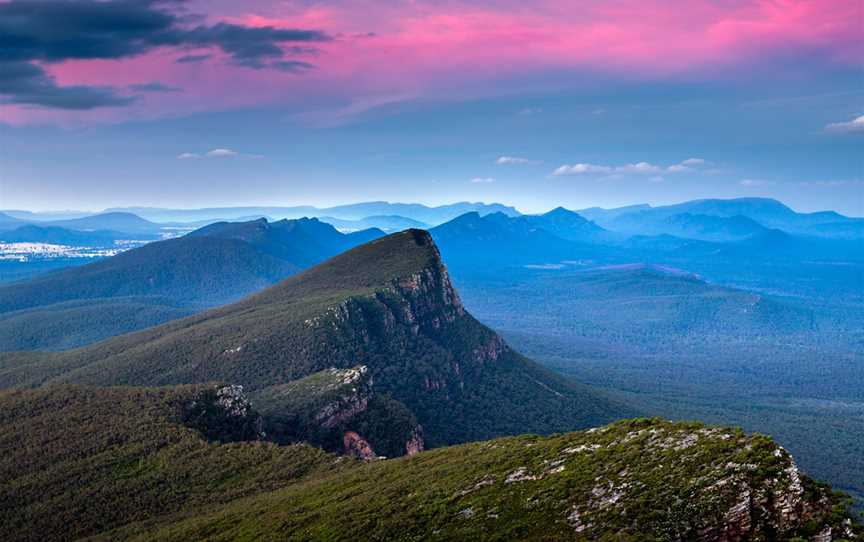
{"x": 375, "y": 263}
{"x": 388, "y": 305}
{"x": 560, "y": 211}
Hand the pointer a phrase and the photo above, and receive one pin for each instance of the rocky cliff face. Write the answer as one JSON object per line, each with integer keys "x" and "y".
{"x": 342, "y": 411}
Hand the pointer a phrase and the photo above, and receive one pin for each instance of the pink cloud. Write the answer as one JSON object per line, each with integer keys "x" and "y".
{"x": 462, "y": 49}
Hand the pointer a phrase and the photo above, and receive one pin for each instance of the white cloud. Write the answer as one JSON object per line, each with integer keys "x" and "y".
{"x": 755, "y": 182}
{"x": 513, "y": 160}
{"x": 577, "y": 169}
{"x": 853, "y": 126}
{"x": 215, "y": 153}
{"x": 639, "y": 167}
{"x": 692, "y": 162}
{"x": 482, "y": 180}
{"x": 687, "y": 165}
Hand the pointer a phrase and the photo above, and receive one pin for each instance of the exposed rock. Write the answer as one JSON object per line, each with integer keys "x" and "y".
{"x": 491, "y": 351}
{"x": 357, "y": 446}
{"x": 519, "y": 475}
{"x": 737, "y": 522}
{"x": 466, "y": 513}
{"x": 485, "y": 481}
{"x": 225, "y": 414}
{"x": 415, "y": 443}
{"x": 342, "y": 410}
{"x": 233, "y": 400}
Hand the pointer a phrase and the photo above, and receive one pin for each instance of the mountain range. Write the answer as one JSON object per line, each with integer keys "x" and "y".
{"x": 387, "y": 306}
{"x": 127, "y": 223}
{"x": 357, "y": 211}
{"x": 163, "y": 280}
{"x": 367, "y": 354}
{"x": 474, "y": 242}
{"x": 722, "y": 220}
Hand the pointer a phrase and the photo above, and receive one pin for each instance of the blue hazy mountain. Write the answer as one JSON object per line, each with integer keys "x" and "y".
{"x": 8, "y": 222}
{"x": 387, "y": 223}
{"x": 692, "y": 219}
{"x": 121, "y": 222}
{"x": 303, "y": 242}
{"x": 32, "y": 233}
{"x": 358, "y": 211}
{"x": 567, "y": 225}
{"x": 473, "y": 243}
{"x": 214, "y": 265}
{"x": 688, "y": 225}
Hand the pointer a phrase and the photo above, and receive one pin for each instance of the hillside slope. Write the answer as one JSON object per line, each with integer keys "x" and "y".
{"x": 77, "y": 461}
{"x": 217, "y": 264}
{"x": 188, "y": 463}
{"x": 387, "y": 305}
{"x": 633, "y": 480}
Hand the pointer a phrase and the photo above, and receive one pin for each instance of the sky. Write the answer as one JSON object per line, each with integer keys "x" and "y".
{"x": 173, "y": 103}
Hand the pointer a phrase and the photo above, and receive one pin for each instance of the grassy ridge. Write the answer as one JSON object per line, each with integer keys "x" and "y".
{"x": 634, "y": 480}
{"x": 76, "y": 461}
{"x": 123, "y": 463}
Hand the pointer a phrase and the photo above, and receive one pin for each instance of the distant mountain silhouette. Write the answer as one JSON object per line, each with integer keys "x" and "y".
{"x": 688, "y": 225}
{"x": 567, "y": 225}
{"x": 8, "y": 222}
{"x": 767, "y": 212}
{"x": 64, "y": 236}
{"x": 357, "y": 211}
{"x": 121, "y": 222}
{"x": 387, "y": 223}
{"x": 471, "y": 241}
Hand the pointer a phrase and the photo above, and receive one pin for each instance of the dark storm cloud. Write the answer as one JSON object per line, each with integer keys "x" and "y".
{"x": 155, "y": 86}
{"x": 26, "y": 83}
{"x": 49, "y": 31}
{"x": 293, "y": 66}
{"x": 189, "y": 59}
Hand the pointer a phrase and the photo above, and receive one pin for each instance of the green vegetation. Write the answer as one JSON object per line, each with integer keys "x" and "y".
{"x": 672, "y": 345}
{"x": 387, "y": 305}
{"x": 78, "y": 461}
{"x": 123, "y": 463}
{"x": 162, "y": 281}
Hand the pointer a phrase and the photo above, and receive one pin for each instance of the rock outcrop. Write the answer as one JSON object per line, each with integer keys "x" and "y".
{"x": 355, "y": 445}
{"x": 224, "y": 413}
